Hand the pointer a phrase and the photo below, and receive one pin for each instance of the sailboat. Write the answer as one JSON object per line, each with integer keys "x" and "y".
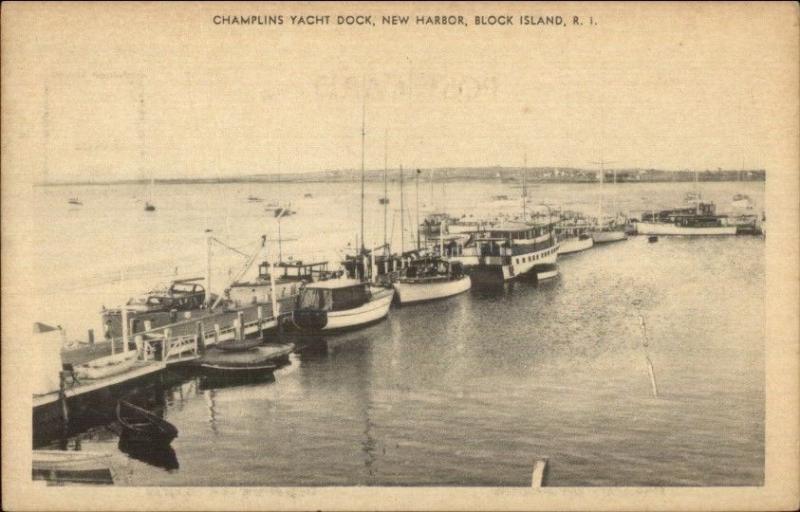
{"x": 148, "y": 205}
{"x": 608, "y": 230}
{"x": 345, "y": 303}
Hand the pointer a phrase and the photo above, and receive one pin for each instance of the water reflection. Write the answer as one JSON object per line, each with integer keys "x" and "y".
{"x": 155, "y": 454}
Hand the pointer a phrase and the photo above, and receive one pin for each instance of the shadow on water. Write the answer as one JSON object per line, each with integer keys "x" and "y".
{"x": 155, "y": 454}
{"x": 211, "y": 381}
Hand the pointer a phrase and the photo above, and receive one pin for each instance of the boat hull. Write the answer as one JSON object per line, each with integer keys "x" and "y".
{"x": 498, "y": 269}
{"x": 667, "y": 229}
{"x": 328, "y": 321}
{"x": 604, "y": 237}
{"x": 573, "y": 245}
{"x": 546, "y": 272}
{"x": 409, "y": 292}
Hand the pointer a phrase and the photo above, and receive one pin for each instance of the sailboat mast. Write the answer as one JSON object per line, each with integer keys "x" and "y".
{"x": 417, "y": 190}
{"x": 363, "y": 137}
{"x": 402, "y": 216}
{"x": 385, "y": 187}
{"x": 525, "y": 189}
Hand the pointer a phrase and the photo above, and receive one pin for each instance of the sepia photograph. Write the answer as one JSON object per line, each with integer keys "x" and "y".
{"x": 513, "y": 255}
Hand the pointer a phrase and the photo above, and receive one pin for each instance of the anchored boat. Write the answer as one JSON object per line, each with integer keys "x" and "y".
{"x": 573, "y": 234}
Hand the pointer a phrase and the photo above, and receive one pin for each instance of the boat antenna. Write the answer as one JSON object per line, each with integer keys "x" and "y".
{"x": 417, "y": 190}
{"x": 363, "y": 136}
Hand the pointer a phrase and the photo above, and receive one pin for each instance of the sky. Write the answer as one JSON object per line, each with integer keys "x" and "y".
{"x": 160, "y": 91}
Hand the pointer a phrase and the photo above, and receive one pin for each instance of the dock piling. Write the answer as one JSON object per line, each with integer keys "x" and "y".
{"x": 537, "y": 478}
{"x": 91, "y": 336}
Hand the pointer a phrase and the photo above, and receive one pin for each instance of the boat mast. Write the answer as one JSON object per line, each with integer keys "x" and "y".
{"x": 525, "y": 189}
{"x": 385, "y": 189}
{"x": 417, "y": 190}
{"x": 363, "y": 136}
{"x": 208, "y": 270}
{"x": 402, "y": 218}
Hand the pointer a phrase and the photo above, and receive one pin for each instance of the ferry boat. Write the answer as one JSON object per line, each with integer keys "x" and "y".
{"x": 573, "y": 235}
{"x": 340, "y": 304}
{"x": 431, "y": 278}
{"x": 505, "y": 252}
{"x": 699, "y": 220}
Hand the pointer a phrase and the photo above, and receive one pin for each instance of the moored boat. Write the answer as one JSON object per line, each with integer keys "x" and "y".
{"x": 340, "y": 304}
{"x": 141, "y": 425}
{"x": 69, "y": 466}
{"x": 431, "y": 278}
{"x": 505, "y": 252}
{"x": 573, "y": 233}
{"x": 546, "y": 272}
{"x": 700, "y": 220}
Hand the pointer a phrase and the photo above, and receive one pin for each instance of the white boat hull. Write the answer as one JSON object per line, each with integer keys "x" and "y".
{"x": 409, "y": 291}
{"x": 663, "y": 228}
{"x": 604, "y": 237}
{"x": 550, "y": 273}
{"x": 376, "y": 309}
{"x": 106, "y": 366}
{"x": 571, "y": 245}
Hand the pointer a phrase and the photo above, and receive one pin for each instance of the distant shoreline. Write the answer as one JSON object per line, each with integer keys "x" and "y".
{"x": 502, "y": 174}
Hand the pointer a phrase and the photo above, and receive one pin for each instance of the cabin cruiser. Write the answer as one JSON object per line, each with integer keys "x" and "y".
{"x": 507, "y": 251}
{"x": 340, "y": 304}
{"x": 288, "y": 279}
{"x": 431, "y": 278}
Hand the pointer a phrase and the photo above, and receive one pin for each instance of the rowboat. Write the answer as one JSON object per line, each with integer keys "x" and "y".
{"x": 143, "y": 426}
{"x": 106, "y": 366}
{"x": 72, "y": 466}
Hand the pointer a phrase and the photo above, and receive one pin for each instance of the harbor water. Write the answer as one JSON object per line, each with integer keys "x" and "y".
{"x": 468, "y": 391}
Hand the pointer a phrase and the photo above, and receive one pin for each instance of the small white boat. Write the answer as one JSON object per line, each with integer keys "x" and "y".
{"x": 62, "y": 466}
{"x": 431, "y": 279}
{"x": 574, "y": 244}
{"x": 603, "y": 237}
{"x": 106, "y": 366}
{"x": 667, "y": 228}
{"x": 742, "y": 201}
{"x": 340, "y": 304}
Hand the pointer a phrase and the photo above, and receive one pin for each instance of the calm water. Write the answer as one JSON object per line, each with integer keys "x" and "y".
{"x": 469, "y": 391}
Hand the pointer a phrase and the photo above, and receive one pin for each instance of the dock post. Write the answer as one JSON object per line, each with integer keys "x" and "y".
{"x": 91, "y": 336}
{"x": 216, "y": 333}
{"x": 62, "y": 397}
{"x": 240, "y": 322}
{"x": 260, "y": 318}
{"x": 201, "y": 338}
{"x": 537, "y": 478}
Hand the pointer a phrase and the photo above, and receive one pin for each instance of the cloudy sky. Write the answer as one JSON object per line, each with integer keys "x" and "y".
{"x": 162, "y": 91}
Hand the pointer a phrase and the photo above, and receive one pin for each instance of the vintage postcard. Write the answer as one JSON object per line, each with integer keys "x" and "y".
{"x": 412, "y": 256}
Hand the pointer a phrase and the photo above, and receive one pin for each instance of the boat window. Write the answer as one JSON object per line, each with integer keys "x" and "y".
{"x": 349, "y": 298}
{"x": 312, "y": 298}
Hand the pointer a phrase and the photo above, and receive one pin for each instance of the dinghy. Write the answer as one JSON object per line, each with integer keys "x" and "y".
{"x": 140, "y": 425}
{"x": 106, "y": 366}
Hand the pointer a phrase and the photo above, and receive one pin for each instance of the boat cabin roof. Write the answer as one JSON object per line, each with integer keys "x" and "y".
{"x": 334, "y": 284}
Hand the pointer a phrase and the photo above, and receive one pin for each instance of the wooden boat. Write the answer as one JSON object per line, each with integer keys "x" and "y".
{"x": 257, "y": 358}
{"x": 652, "y": 239}
{"x": 430, "y": 279}
{"x": 149, "y": 207}
{"x": 340, "y": 304}
{"x": 75, "y": 201}
{"x": 141, "y": 425}
{"x": 106, "y": 366}
{"x": 62, "y": 466}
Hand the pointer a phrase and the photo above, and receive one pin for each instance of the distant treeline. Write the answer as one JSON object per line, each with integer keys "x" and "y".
{"x": 503, "y": 174}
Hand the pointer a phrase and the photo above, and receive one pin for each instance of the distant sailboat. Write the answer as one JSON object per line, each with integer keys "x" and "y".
{"x": 148, "y": 205}
{"x": 75, "y": 201}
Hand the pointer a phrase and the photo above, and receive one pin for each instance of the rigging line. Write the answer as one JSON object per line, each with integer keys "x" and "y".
{"x": 237, "y": 251}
